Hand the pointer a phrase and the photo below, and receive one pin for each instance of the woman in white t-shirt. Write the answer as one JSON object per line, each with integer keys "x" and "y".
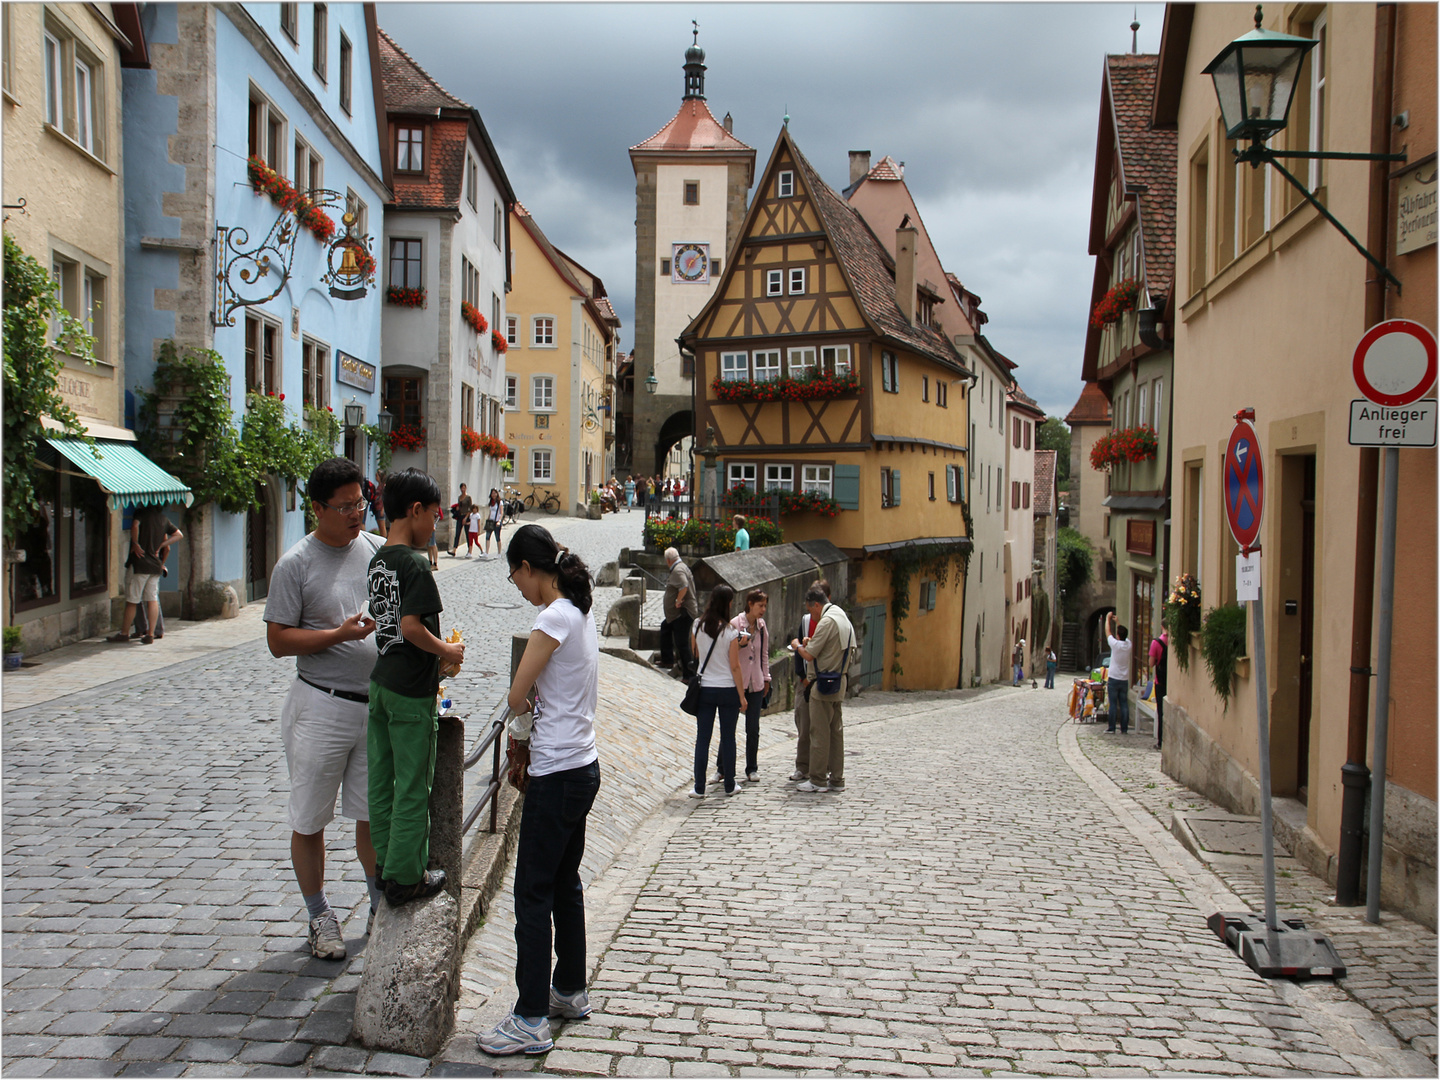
{"x": 561, "y": 664}
{"x": 715, "y": 646}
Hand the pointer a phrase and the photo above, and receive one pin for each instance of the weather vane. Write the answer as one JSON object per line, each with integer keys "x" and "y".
{"x": 696, "y": 31}
{"x": 1135, "y": 32}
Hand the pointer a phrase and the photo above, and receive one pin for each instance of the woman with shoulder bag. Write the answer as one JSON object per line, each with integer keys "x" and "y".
{"x": 754, "y": 640}
{"x": 722, "y": 688}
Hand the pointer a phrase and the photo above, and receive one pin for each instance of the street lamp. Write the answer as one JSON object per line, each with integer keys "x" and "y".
{"x": 385, "y": 421}
{"x": 354, "y": 414}
{"x": 652, "y": 384}
{"x": 1255, "y": 78}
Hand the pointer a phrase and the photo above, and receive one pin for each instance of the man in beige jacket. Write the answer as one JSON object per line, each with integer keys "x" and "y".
{"x": 828, "y": 650}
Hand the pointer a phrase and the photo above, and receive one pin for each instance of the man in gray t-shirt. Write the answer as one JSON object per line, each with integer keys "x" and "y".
{"x": 681, "y": 609}
{"x": 315, "y": 612}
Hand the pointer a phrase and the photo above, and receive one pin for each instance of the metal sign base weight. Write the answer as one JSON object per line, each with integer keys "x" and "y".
{"x": 1289, "y": 952}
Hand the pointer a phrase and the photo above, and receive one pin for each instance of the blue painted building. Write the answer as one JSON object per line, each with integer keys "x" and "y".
{"x": 293, "y": 85}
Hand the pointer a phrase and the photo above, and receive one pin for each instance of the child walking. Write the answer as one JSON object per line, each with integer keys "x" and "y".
{"x": 561, "y": 662}
{"x": 405, "y": 605}
{"x": 472, "y": 532}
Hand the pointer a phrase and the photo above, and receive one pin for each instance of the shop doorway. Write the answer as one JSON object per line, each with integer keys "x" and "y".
{"x": 257, "y": 547}
{"x": 1142, "y": 603}
{"x": 1307, "y": 627}
{"x": 1293, "y": 612}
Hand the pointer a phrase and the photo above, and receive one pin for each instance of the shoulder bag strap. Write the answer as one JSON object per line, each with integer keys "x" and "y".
{"x": 713, "y": 642}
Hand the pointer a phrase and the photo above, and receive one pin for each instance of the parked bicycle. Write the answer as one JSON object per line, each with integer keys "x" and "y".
{"x": 546, "y": 500}
{"x": 514, "y": 505}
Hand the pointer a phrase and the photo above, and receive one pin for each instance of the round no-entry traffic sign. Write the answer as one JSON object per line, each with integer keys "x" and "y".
{"x": 1395, "y": 362}
{"x": 1243, "y": 485}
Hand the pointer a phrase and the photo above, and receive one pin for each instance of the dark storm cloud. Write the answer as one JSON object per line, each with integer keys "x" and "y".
{"x": 992, "y": 107}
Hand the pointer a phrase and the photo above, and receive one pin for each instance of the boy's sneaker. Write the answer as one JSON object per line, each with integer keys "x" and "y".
{"x": 574, "y": 1006}
{"x": 432, "y": 882}
{"x": 798, "y": 775}
{"x": 325, "y": 940}
{"x": 370, "y": 923}
{"x": 516, "y": 1035}
{"x": 806, "y": 785}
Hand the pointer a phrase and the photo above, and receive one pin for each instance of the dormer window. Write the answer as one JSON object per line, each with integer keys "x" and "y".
{"x": 785, "y": 185}
{"x": 409, "y": 149}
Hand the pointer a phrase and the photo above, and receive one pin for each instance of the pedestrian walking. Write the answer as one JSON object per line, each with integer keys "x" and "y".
{"x": 680, "y": 609}
{"x": 1160, "y": 664}
{"x": 742, "y": 535}
{"x": 402, "y": 722}
{"x": 804, "y": 681}
{"x": 1017, "y": 661}
{"x": 151, "y": 535}
{"x": 754, "y": 638}
{"x": 722, "y": 688}
{"x": 1050, "y": 663}
{"x": 642, "y": 490}
{"x": 315, "y": 612}
{"x": 561, "y": 665}
{"x": 1118, "y": 683}
{"x": 829, "y": 651}
{"x": 472, "y": 532}
{"x": 494, "y": 519}
{"x": 462, "y": 509}
{"x": 629, "y": 494}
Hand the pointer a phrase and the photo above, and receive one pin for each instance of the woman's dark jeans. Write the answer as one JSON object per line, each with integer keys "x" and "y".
{"x": 726, "y": 701}
{"x": 754, "y": 702}
{"x": 547, "y": 886}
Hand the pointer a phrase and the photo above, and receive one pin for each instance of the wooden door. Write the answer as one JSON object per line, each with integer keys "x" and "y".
{"x": 872, "y": 647}
{"x": 257, "y": 541}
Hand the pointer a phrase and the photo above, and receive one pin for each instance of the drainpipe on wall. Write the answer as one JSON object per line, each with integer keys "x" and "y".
{"x": 1354, "y": 776}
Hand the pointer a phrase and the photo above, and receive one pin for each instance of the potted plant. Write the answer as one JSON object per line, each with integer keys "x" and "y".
{"x": 13, "y": 655}
{"x": 595, "y": 510}
{"x": 1182, "y": 617}
{"x": 1222, "y": 644}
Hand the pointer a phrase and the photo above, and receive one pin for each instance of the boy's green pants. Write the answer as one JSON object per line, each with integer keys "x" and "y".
{"x": 400, "y": 743}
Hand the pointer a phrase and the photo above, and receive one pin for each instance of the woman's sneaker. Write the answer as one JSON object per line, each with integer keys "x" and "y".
{"x": 516, "y": 1035}
{"x": 574, "y": 1006}
{"x": 325, "y": 940}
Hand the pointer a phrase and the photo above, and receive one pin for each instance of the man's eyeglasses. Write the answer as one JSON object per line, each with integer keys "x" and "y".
{"x": 351, "y": 508}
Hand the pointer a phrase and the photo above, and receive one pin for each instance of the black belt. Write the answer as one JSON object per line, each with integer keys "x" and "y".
{"x": 346, "y": 695}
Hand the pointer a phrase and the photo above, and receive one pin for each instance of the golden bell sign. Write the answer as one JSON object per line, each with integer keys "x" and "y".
{"x": 356, "y": 269}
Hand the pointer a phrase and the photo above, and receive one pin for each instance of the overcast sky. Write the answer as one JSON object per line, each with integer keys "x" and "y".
{"x": 992, "y": 108}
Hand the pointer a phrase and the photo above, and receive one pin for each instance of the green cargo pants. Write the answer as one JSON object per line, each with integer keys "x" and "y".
{"x": 401, "y": 748}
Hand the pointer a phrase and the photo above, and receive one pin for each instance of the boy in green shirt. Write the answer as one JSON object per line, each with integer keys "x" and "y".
{"x": 405, "y": 605}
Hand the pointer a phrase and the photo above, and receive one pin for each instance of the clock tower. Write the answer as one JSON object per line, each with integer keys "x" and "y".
{"x": 692, "y": 178}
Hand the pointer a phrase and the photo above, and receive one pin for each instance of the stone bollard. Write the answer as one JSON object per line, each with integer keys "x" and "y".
{"x": 447, "y": 802}
{"x": 608, "y": 576}
{"x": 634, "y": 585}
{"x": 406, "y": 998}
{"x": 624, "y": 618}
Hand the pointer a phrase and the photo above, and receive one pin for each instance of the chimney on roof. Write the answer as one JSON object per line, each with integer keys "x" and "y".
{"x": 729, "y": 125}
{"x": 859, "y": 164}
{"x": 905, "y": 262}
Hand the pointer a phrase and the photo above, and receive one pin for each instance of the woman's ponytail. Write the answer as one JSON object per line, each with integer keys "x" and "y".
{"x": 535, "y": 545}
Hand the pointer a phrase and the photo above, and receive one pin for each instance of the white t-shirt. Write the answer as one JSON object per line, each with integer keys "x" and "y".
{"x": 718, "y": 672}
{"x": 564, "y": 733}
{"x": 1121, "y": 653}
{"x": 473, "y": 524}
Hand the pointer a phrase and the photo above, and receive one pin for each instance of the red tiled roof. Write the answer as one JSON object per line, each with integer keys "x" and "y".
{"x": 888, "y": 169}
{"x": 1023, "y": 401}
{"x": 694, "y": 127}
{"x": 1044, "y": 481}
{"x": 1092, "y": 407}
{"x": 1147, "y": 162}
{"x": 869, "y": 267}
{"x": 408, "y": 85}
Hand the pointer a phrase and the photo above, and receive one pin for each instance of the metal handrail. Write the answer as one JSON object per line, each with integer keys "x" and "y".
{"x": 499, "y": 715}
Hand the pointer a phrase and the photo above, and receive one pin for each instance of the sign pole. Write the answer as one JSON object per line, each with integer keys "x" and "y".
{"x": 1380, "y": 753}
{"x": 1262, "y": 719}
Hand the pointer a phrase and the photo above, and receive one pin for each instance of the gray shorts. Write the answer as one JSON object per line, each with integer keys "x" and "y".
{"x": 142, "y": 588}
{"x": 324, "y": 740}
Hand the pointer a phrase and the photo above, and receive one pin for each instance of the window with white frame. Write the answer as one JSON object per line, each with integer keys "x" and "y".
{"x": 494, "y": 310}
{"x": 62, "y": 272}
{"x": 1159, "y": 396}
{"x": 54, "y": 96}
{"x": 734, "y": 367}
{"x": 767, "y": 365}
{"x": 472, "y": 181}
{"x": 779, "y": 477}
{"x": 542, "y": 393}
{"x": 74, "y": 89}
{"x": 512, "y": 391}
{"x": 85, "y": 105}
{"x": 262, "y": 355}
{"x": 835, "y": 359}
{"x": 267, "y": 132}
{"x": 952, "y": 483}
{"x": 817, "y": 478}
{"x": 802, "y": 362}
{"x": 942, "y": 393}
{"x": 320, "y": 49}
{"x": 543, "y": 331}
{"x": 314, "y": 366}
{"x": 1319, "y": 30}
{"x": 290, "y": 21}
{"x": 1142, "y": 401}
{"x": 541, "y": 471}
{"x": 785, "y": 184}
{"x": 889, "y": 373}
{"x": 92, "y": 311}
{"x": 499, "y": 230}
{"x": 741, "y": 475}
{"x": 797, "y": 280}
{"x": 774, "y": 282}
{"x": 308, "y": 166}
{"x": 512, "y": 330}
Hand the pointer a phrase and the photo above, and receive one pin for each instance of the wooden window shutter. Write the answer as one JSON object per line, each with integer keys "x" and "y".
{"x": 847, "y": 486}
{"x": 1014, "y": 494}
{"x": 894, "y": 487}
{"x": 950, "y": 492}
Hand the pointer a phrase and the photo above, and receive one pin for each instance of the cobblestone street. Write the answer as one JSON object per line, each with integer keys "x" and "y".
{"x": 995, "y": 890}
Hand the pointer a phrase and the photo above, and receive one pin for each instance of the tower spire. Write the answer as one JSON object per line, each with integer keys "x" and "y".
{"x": 1135, "y": 32}
{"x": 695, "y": 67}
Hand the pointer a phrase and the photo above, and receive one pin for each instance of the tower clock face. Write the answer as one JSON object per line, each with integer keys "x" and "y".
{"x": 690, "y": 263}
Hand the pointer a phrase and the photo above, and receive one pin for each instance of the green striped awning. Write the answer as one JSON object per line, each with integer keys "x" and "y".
{"x": 124, "y": 473}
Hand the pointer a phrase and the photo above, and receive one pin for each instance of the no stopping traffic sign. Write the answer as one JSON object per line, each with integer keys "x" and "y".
{"x": 1243, "y": 485}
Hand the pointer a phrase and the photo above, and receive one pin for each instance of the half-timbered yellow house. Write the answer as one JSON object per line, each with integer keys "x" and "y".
{"x": 821, "y": 368}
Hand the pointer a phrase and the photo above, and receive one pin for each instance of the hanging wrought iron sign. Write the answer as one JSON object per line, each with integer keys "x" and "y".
{"x": 248, "y": 276}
